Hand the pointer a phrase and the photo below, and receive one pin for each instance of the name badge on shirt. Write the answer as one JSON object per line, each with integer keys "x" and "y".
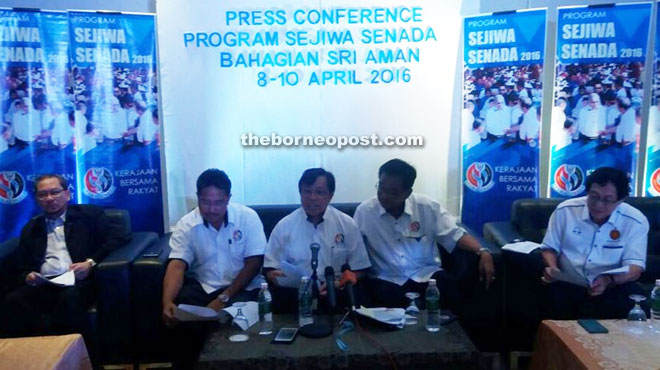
{"x": 615, "y": 234}
{"x": 238, "y": 235}
{"x": 414, "y": 231}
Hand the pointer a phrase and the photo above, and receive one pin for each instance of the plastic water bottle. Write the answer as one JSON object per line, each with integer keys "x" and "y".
{"x": 655, "y": 305}
{"x": 432, "y": 307}
{"x": 305, "y": 303}
{"x": 265, "y": 311}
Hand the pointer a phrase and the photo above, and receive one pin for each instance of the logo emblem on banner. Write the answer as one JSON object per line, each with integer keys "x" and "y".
{"x": 12, "y": 187}
{"x": 569, "y": 180}
{"x": 479, "y": 177}
{"x": 98, "y": 183}
{"x": 655, "y": 183}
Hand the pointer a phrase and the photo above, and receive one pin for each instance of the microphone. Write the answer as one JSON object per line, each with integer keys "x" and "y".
{"x": 330, "y": 284}
{"x": 315, "y": 255}
{"x": 349, "y": 278}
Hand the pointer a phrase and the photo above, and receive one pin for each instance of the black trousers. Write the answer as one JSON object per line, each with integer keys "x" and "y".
{"x": 386, "y": 294}
{"x": 570, "y": 302}
{"x": 187, "y": 338}
{"x": 49, "y": 310}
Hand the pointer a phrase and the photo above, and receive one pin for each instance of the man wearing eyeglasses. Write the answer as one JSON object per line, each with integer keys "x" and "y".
{"x": 596, "y": 246}
{"x": 64, "y": 238}
{"x": 217, "y": 253}
{"x": 337, "y": 235}
{"x": 402, "y": 231}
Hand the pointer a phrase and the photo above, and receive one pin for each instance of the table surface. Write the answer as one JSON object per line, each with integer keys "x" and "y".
{"x": 53, "y": 352}
{"x": 566, "y": 345}
{"x": 410, "y": 348}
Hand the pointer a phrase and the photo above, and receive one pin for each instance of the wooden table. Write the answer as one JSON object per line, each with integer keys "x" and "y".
{"x": 370, "y": 347}
{"x": 566, "y": 345}
{"x": 65, "y": 352}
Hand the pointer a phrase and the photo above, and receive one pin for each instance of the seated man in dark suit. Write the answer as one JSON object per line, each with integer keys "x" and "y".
{"x": 601, "y": 242}
{"x": 64, "y": 238}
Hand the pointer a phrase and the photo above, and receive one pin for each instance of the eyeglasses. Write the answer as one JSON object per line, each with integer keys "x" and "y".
{"x": 606, "y": 201}
{"x": 43, "y": 194}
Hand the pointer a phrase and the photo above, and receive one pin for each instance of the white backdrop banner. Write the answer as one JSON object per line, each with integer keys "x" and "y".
{"x": 266, "y": 89}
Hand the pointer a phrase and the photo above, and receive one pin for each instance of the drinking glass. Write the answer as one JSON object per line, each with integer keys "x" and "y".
{"x": 412, "y": 312}
{"x": 240, "y": 320}
{"x": 636, "y": 316}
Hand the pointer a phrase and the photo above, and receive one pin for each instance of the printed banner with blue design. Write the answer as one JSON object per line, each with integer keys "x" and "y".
{"x": 35, "y": 128}
{"x": 113, "y": 61}
{"x": 79, "y": 99}
{"x": 501, "y": 120}
{"x": 652, "y": 177}
{"x": 596, "y": 116}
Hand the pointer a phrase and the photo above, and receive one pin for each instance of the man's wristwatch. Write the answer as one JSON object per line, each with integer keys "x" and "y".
{"x": 91, "y": 261}
{"x": 483, "y": 250}
{"x": 223, "y": 298}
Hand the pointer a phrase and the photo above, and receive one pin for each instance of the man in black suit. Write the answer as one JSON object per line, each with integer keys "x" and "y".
{"x": 64, "y": 238}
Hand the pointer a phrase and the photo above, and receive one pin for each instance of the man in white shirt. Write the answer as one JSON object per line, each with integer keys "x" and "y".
{"x": 401, "y": 231}
{"x": 317, "y": 222}
{"x": 64, "y": 238}
{"x": 26, "y": 123}
{"x": 217, "y": 253}
{"x": 588, "y": 237}
{"x": 591, "y": 119}
{"x": 530, "y": 126}
{"x": 626, "y": 130}
{"x": 498, "y": 119}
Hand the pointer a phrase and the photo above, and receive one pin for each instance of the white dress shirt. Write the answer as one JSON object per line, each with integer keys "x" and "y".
{"x": 338, "y": 236}
{"x": 57, "y": 259}
{"x": 146, "y": 131}
{"x": 529, "y": 128}
{"x": 215, "y": 257}
{"x": 405, "y": 248}
{"x": 26, "y": 125}
{"x": 498, "y": 120}
{"x": 626, "y": 131}
{"x": 593, "y": 249}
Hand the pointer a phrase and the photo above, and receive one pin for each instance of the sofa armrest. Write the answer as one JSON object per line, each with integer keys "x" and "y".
{"x": 501, "y": 233}
{"x": 147, "y": 284}
{"x": 113, "y": 281}
{"x": 652, "y": 271}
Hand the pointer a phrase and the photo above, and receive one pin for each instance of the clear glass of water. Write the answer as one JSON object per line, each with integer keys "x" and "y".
{"x": 412, "y": 312}
{"x": 637, "y": 316}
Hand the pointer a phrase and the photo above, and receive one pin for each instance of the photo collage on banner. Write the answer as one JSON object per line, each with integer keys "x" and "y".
{"x": 652, "y": 179}
{"x": 35, "y": 132}
{"x": 596, "y": 116}
{"x": 79, "y": 99}
{"x": 113, "y": 64}
{"x": 501, "y": 119}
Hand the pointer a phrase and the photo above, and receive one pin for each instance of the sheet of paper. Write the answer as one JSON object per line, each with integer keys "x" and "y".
{"x": 391, "y": 316}
{"x": 522, "y": 247}
{"x": 568, "y": 274}
{"x": 186, "y": 312}
{"x": 66, "y": 279}
{"x": 620, "y": 270}
{"x": 292, "y": 278}
{"x": 250, "y": 311}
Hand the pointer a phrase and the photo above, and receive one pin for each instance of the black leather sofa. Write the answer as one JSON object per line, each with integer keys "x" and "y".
{"x": 480, "y": 316}
{"x": 112, "y": 316}
{"x": 524, "y": 294}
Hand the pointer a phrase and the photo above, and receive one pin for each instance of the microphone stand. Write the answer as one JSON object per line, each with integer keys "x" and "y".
{"x": 317, "y": 329}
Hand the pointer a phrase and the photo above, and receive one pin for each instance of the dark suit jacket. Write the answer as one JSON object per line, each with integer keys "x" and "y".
{"x": 87, "y": 231}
